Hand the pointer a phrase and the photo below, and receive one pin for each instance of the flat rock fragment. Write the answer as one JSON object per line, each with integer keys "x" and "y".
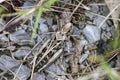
{"x": 92, "y": 33}
{"x": 7, "y": 62}
{"x": 20, "y": 37}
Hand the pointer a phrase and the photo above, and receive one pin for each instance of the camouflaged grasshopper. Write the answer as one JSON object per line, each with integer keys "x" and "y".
{"x": 52, "y": 48}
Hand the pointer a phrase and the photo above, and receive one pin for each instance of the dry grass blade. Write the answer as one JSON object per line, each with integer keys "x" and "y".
{"x": 115, "y": 14}
{"x": 33, "y": 67}
{"x": 46, "y": 53}
{"x": 54, "y": 57}
{"x": 112, "y": 11}
{"x": 76, "y": 8}
{"x": 34, "y": 58}
{"x": 98, "y": 74}
{"x": 11, "y": 22}
{"x": 44, "y": 45}
{"x": 113, "y": 54}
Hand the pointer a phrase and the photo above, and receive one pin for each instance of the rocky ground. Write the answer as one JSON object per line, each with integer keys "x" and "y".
{"x": 67, "y": 45}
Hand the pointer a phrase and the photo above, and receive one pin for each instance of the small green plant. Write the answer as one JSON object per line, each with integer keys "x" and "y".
{"x": 113, "y": 45}
{"x": 108, "y": 70}
{"x": 39, "y": 13}
{"x": 1, "y": 9}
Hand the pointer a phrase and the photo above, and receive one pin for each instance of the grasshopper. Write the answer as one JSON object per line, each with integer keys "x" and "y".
{"x": 52, "y": 48}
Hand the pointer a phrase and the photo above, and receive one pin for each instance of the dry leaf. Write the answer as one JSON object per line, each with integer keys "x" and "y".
{"x": 112, "y": 4}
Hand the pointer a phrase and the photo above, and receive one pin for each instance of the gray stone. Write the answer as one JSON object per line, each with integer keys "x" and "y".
{"x": 94, "y": 8}
{"x": 26, "y": 5}
{"x": 83, "y": 41}
{"x": 49, "y": 21}
{"x": 92, "y": 33}
{"x": 38, "y": 76}
{"x": 97, "y": 21}
{"x": 55, "y": 69}
{"x": 2, "y": 23}
{"x": 22, "y": 52}
{"x": 43, "y": 28}
{"x": 20, "y": 37}
{"x": 7, "y": 62}
{"x": 3, "y": 38}
{"x": 42, "y": 20}
{"x": 23, "y": 73}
